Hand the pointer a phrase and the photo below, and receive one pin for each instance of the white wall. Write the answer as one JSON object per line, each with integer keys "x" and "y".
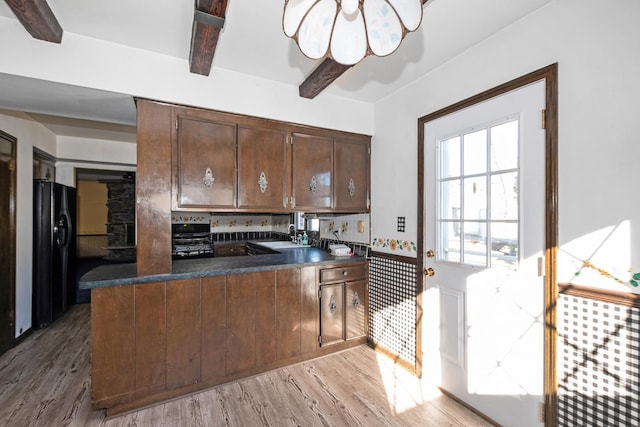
{"x": 84, "y": 61}
{"x": 29, "y": 134}
{"x": 596, "y": 45}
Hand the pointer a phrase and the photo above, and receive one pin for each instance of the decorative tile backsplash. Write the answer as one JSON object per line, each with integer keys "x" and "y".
{"x": 345, "y": 228}
{"x": 394, "y": 244}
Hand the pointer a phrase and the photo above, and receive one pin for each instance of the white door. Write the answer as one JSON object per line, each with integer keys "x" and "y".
{"x": 484, "y": 220}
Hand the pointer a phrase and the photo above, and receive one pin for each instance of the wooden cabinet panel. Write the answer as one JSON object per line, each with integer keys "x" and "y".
{"x": 309, "y": 311}
{"x": 312, "y": 162}
{"x": 183, "y": 332}
{"x": 112, "y": 345}
{"x": 351, "y": 174}
{"x": 265, "y": 328}
{"x": 229, "y": 249}
{"x": 240, "y": 340}
{"x": 213, "y": 327}
{"x": 206, "y": 169}
{"x": 355, "y": 313}
{"x": 343, "y": 303}
{"x": 262, "y": 168}
{"x": 288, "y": 313}
{"x": 343, "y": 273}
{"x": 332, "y": 313}
{"x": 153, "y": 188}
{"x": 151, "y": 338}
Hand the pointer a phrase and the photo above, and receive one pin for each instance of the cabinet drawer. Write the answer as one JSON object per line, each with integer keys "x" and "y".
{"x": 341, "y": 274}
{"x": 229, "y": 250}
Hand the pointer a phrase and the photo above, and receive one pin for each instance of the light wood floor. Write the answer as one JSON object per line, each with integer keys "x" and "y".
{"x": 45, "y": 381}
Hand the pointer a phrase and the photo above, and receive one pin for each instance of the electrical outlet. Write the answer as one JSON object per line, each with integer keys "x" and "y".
{"x": 360, "y": 226}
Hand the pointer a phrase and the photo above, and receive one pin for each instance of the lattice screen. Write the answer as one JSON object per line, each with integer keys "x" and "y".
{"x": 392, "y": 306}
{"x": 598, "y": 363}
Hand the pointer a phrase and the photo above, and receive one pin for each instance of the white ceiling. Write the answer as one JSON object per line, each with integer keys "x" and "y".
{"x": 252, "y": 42}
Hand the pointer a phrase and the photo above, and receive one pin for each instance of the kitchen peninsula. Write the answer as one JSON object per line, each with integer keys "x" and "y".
{"x": 163, "y": 328}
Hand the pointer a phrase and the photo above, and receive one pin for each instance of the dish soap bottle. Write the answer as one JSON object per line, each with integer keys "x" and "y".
{"x": 305, "y": 239}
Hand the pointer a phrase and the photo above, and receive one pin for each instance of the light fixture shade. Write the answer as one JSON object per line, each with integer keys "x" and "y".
{"x": 321, "y": 28}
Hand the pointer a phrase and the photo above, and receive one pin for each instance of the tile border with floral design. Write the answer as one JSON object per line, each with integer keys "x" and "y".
{"x": 394, "y": 244}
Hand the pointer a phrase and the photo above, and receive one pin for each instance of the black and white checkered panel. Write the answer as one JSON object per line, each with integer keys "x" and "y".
{"x": 598, "y": 363}
{"x": 392, "y": 307}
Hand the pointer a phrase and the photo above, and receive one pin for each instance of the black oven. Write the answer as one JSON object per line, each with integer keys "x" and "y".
{"x": 191, "y": 241}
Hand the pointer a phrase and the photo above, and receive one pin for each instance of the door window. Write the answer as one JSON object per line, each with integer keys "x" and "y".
{"x": 477, "y": 203}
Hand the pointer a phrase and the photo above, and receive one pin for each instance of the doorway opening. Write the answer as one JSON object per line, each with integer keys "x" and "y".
{"x": 8, "y": 239}
{"x": 106, "y": 221}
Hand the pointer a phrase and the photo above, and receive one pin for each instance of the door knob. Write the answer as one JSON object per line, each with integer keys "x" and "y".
{"x": 429, "y": 272}
{"x": 431, "y": 253}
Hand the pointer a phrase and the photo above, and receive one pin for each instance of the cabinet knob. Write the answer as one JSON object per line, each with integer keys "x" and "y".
{"x": 208, "y": 179}
{"x": 262, "y": 182}
{"x": 345, "y": 273}
{"x": 313, "y": 185}
{"x": 351, "y": 187}
{"x": 429, "y": 272}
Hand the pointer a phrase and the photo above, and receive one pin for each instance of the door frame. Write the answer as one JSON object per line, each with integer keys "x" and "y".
{"x": 12, "y": 236}
{"x": 550, "y": 75}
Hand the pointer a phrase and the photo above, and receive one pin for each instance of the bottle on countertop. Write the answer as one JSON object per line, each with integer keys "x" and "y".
{"x": 305, "y": 239}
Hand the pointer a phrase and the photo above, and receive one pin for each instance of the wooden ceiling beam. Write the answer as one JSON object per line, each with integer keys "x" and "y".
{"x": 326, "y": 73}
{"x": 322, "y": 77}
{"x": 37, "y": 18}
{"x": 208, "y": 20}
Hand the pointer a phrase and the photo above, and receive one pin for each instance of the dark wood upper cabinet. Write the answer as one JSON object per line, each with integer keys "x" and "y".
{"x": 230, "y": 163}
{"x": 351, "y": 174}
{"x": 262, "y": 168}
{"x": 206, "y": 163}
{"x": 311, "y": 166}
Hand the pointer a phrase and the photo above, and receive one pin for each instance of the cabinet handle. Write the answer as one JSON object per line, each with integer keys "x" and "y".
{"x": 355, "y": 300}
{"x": 332, "y": 304}
{"x": 345, "y": 273}
{"x": 313, "y": 186}
{"x": 208, "y": 179}
{"x": 262, "y": 182}
{"x": 352, "y": 187}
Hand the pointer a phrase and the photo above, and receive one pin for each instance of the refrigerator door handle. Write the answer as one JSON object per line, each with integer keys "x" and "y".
{"x": 61, "y": 230}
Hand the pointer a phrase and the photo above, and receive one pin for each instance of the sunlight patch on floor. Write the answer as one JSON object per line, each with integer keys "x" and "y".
{"x": 404, "y": 390}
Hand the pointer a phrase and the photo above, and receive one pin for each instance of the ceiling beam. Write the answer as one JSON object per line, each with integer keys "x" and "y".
{"x": 326, "y": 73}
{"x": 37, "y": 18}
{"x": 320, "y": 78}
{"x": 208, "y": 20}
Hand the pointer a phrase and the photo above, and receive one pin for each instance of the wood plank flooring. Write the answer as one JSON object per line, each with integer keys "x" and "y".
{"x": 45, "y": 381}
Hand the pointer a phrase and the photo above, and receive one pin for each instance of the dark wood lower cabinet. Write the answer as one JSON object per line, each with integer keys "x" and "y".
{"x": 155, "y": 341}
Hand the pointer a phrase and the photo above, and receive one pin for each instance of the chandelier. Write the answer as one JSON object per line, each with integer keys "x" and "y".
{"x": 349, "y": 30}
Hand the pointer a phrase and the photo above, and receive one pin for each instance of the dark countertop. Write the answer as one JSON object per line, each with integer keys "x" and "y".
{"x": 125, "y": 274}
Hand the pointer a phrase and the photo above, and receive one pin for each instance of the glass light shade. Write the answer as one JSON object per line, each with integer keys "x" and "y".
{"x": 349, "y": 30}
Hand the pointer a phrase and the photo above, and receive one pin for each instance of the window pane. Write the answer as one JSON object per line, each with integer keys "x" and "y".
{"x": 450, "y": 157}
{"x": 504, "y": 146}
{"x": 504, "y": 196}
{"x": 504, "y": 244}
{"x": 475, "y": 152}
{"x": 475, "y": 243}
{"x": 475, "y": 198}
{"x": 449, "y": 249}
{"x": 450, "y": 199}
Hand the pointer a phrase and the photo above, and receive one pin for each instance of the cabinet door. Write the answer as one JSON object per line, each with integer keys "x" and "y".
{"x": 311, "y": 172}
{"x": 331, "y": 313}
{"x": 351, "y": 172}
{"x": 262, "y": 169}
{"x": 355, "y": 309}
{"x": 206, "y": 169}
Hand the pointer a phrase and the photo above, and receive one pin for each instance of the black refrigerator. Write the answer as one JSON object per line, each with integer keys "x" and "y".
{"x": 54, "y": 250}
